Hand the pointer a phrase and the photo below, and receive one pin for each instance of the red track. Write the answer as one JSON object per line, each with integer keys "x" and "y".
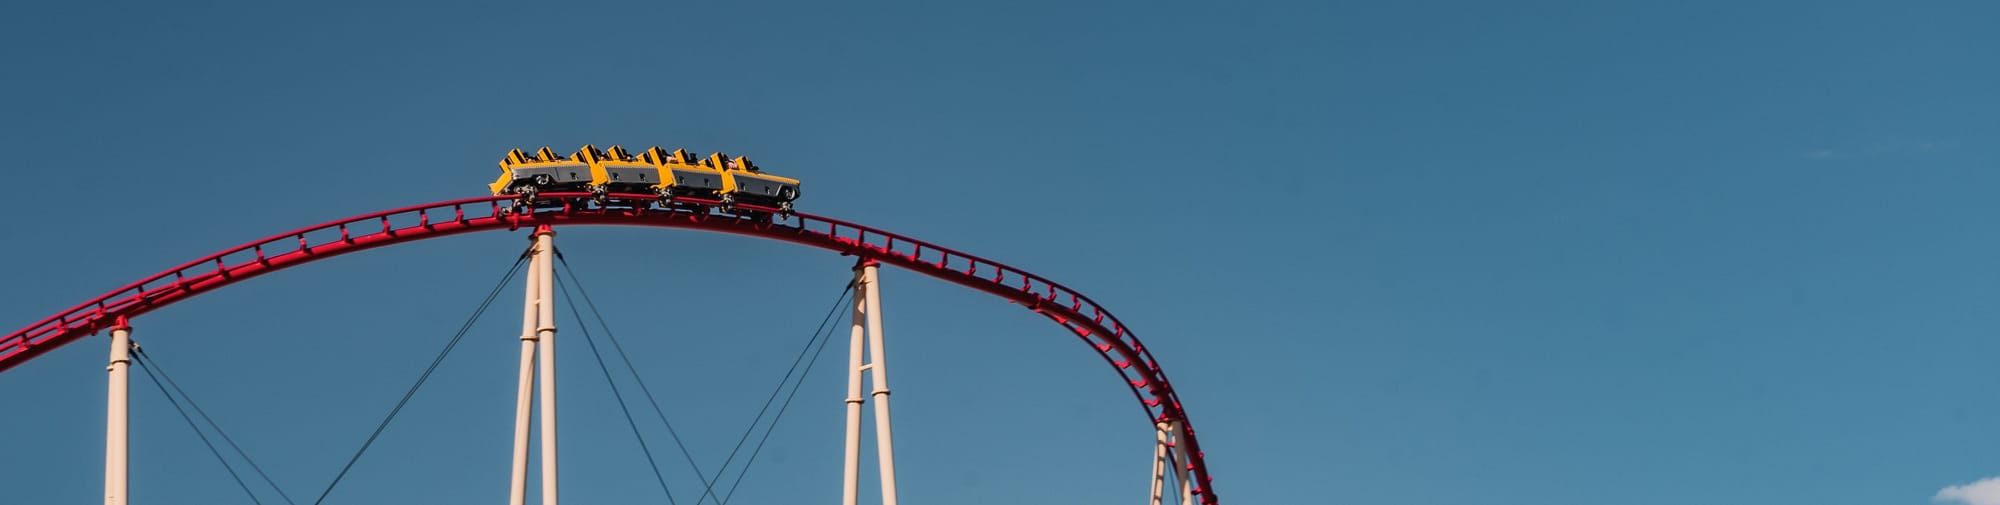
{"x": 1084, "y": 318}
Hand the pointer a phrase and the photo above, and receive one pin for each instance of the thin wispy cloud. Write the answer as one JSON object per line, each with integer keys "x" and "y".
{"x": 1984, "y": 492}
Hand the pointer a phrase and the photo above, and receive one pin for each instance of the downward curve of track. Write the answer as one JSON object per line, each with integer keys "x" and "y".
{"x": 1084, "y": 318}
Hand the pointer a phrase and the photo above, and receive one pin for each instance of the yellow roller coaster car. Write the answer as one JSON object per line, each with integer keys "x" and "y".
{"x": 743, "y": 181}
{"x": 616, "y": 171}
{"x": 681, "y": 176}
{"x": 524, "y": 174}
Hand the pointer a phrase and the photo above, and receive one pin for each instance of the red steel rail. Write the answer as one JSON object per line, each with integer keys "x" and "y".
{"x": 1084, "y": 318}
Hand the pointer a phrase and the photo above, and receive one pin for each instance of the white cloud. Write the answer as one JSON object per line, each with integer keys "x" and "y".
{"x": 1984, "y": 492}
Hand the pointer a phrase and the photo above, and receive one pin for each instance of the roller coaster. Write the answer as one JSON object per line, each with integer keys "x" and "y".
{"x": 655, "y": 188}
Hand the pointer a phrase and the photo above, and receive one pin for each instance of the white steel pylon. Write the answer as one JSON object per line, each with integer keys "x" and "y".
{"x": 538, "y": 354}
{"x": 117, "y": 416}
{"x": 868, "y": 309}
{"x": 1167, "y": 453}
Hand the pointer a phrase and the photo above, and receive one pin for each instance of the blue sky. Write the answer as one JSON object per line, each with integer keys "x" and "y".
{"x": 1420, "y": 253}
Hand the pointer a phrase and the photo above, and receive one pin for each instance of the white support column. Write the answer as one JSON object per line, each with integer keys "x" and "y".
{"x": 1167, "y": 452}
{"x": 117, "y": 435}
{"x": 524, "y": 399}
{"x": 851, "y": 482}
{"x": 1180, "y": 463}
{"x": 865, "y": 356}
{"x": 546, "y": 345}
{"x": 1160, "y": 457}
{"x": 878, "y": 368}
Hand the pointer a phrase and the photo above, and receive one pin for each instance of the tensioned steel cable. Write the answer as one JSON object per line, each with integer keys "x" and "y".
{"x": 650, "y": 398}
{"x": 154, "y": 363}
{"x": 837, "y": 303}
{"x": 708, "y": 484}
{"x": 462, "y": 330}
{"x": 578, "y": 315}
{"x": 197, "y": 430}
{"x": 788, "y": 398}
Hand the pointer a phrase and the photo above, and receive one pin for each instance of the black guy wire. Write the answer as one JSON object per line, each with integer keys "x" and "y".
{"x": 710, "y": 484}
{"x": 578, "y": 315}
{"x": 650, "y": 398}
{"x": 462, "y": 330}
{"x": 788, "y": 402}
{"x": 197, "y": 429}
{"x": 155, "y": 363}
{"x": 752, "y": 428}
